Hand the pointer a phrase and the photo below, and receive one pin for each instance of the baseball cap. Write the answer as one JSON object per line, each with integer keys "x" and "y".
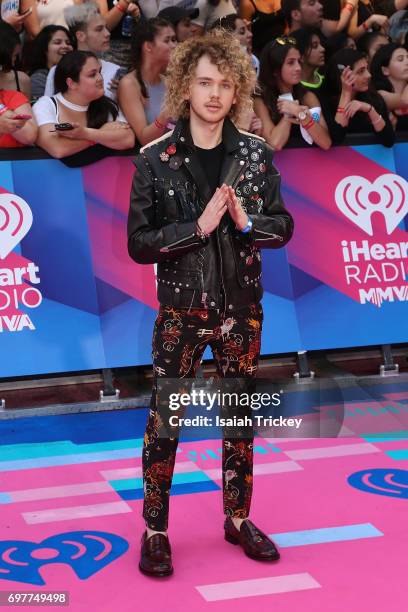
{"x": 174, "y": 14}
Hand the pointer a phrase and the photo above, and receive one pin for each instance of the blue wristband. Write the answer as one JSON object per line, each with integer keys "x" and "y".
{"x": 248, "y": 226}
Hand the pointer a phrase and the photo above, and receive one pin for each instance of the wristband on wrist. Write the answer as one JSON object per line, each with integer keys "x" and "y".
{"x": 248, "y": 226}
{"x": 200, "y": 233}
{"x": 120, "y": 8}
{"x": 349, "y": 7}
{"x": 379, "y": 118}
{"x": 160, "y": 126}
{"x": 365, "y": 26}
{"x": 309, "y": 125}
{"x": 340, "y": 109}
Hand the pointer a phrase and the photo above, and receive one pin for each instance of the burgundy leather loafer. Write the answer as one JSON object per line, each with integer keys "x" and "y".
{"x": 255, "y": 543}
{"x": 155, "y": 556}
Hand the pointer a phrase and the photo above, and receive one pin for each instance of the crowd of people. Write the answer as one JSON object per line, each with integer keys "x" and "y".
{"x": 81, "y": 78}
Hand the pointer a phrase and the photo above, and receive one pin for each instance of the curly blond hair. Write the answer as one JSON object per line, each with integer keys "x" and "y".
{"x": 226, "y": 53}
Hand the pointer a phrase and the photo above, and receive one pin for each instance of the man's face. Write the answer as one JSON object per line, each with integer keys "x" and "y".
{"x": 184, "y": 29}
{"x": 311, "y": 13}
{"x": 211, "y": 94}
{"x": 96, "y": 36}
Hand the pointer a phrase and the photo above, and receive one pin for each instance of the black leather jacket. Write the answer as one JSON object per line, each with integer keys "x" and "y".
{"x": 170, "y": 191}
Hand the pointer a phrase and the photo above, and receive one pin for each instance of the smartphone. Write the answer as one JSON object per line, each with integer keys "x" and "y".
{"x": 63, "y": 127}
{"x": 22, "y": 117}
{"x": 340, "y": 67}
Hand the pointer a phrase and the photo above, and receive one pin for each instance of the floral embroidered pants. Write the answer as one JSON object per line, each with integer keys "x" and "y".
{"x": 179, "y": 341}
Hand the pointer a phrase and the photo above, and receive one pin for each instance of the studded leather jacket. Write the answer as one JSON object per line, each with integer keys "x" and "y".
{"x": 169, "y": 193}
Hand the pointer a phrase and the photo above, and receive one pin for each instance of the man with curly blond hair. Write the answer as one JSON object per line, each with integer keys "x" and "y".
{"x": 205, "y": 197}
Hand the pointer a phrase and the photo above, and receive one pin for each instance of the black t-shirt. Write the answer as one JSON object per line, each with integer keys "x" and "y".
{"x": 211, "y": 162}
{"x": 331, "y": 10}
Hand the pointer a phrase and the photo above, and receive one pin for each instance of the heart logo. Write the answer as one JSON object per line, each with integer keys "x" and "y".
{"x": 16, "y": 219}
{"x": 358, "y": 199}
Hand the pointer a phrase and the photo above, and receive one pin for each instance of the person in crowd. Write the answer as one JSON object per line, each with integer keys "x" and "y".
{"x": 340, "y": 40}
{"x": 266, "y": 18}
{"x": 88, "y": 29}
{"x": 337, "y": 15}
{"x": 370, "y": 42}
{"x": 141, "y": 92}
{"x": 45, "y": 52}
{"x": 51, "y": 12}
{"x": 10, "y": 47}
{"x": 239, "y": 28}
{"x": 302, "y": 14}
{"x": 199, "y": 23}
{"x": 356, "y": 106}
{"x": 151, "y": 8}
{"x": 81, "y": 106}
{"x": 209, "y": 11}
{"x": 389, "y": 69}
{"x": 242, "y": 30}
{"x": 205, "y": 240}
{"x": 219, "y": 9}
{"x": 365, "y": 18}
{"x": 120, "y": 16}
{"x": 311, "y": 44}
{"x": 21, "y": 15}
{"x": 283, "y": 105}
{"x": 180, "y": 19}
{"x": 17, "y": 126}
{"x": 398, "y": 26}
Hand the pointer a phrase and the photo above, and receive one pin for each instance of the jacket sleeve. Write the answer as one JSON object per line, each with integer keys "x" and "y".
{"x": 273, "y": 228}
{"x": 147, "y": 241}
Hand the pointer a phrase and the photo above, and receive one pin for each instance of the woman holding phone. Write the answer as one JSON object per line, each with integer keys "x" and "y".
{"x": 355, "y": 104}
{"x": 282, "y": 104}
{"x": 80, "y": 102}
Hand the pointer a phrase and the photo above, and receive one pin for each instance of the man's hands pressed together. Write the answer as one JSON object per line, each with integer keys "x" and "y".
{"x": 223, "y": 199}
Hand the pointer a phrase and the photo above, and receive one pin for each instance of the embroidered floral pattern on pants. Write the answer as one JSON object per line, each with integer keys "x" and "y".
{"x": 180, "y": 338}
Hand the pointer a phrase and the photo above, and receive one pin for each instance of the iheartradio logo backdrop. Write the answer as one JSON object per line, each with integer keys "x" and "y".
{"x": 16, "y": 219}
{"x": 18, "y": 279}
{"x": 347, "y": 258}
{"x": 358, "y": 199}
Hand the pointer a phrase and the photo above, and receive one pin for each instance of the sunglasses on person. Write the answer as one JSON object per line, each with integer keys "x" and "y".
{"x": 285, "y": 40}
